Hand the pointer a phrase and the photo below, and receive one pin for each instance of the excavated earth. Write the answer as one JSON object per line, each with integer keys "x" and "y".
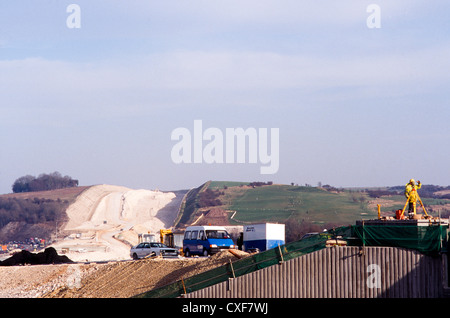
{"x": 119, "y": 279}
{"x": 92, "y": 261}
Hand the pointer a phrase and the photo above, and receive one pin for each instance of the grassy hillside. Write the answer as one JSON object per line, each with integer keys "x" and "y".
{"x": 278, "y": 203}
{"x": 189, "y": 206}
{"x": 249, "y": 203}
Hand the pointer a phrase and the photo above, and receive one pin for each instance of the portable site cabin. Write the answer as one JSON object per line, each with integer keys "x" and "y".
{"x": 263, "y": 236}
{"x": 146, "y": 237}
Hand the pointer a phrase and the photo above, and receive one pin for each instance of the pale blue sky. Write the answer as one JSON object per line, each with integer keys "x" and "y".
{"x": 355, "y": 106}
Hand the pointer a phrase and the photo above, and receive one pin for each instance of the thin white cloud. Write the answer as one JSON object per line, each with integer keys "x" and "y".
{"x": 265, "y": 12}
{"x": 35, "y": 82}
{"x": 130, "y": 58}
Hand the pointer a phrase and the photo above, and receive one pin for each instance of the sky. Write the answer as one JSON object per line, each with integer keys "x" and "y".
{"x": 358, "y": 90}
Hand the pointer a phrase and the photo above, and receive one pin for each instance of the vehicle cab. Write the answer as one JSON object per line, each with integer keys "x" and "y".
{"x": 206, "y": 240}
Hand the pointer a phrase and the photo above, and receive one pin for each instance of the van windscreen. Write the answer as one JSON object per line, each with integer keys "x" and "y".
{"x": 217, "y": 234}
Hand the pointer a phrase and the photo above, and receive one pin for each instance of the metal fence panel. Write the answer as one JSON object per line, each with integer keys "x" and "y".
{"x": 339, "y": 272}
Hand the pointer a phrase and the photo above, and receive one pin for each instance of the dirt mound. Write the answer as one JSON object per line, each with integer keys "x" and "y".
{"x": 127, "y": 279}
{"x": 105, "y": 220}
{"x": 216, "y": 216}
{"x": 49, "y": 256}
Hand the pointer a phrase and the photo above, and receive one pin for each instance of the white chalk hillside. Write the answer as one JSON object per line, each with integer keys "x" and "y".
{"x": 104, "y": 216}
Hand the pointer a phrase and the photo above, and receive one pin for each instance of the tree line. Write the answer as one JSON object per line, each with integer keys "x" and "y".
{"x": 31, "y": 211}
{"x": 43, "y": 182}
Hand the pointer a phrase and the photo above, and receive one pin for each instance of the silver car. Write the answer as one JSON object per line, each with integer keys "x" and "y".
{"x": 145, "y": 249}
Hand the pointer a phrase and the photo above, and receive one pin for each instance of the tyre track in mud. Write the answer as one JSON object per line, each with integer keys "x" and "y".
{"x": 115, "y": 285}
{"x": 107, "y": 283}
{"x": 130, "y": 278}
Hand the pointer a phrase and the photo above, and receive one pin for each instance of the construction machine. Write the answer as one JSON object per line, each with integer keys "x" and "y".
{"x": 166, "y": 237}
{"x": 171, "y": 238}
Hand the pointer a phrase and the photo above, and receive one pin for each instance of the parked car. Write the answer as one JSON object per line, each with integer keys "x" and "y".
{"x": 145, "y": 249}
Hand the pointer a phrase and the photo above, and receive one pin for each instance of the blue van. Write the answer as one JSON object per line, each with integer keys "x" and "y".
{"x": 205, "y": 240}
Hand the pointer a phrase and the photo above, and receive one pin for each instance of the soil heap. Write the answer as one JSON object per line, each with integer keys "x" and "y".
{"x": 48, "y": 256}
{"x": 127, "y": 279}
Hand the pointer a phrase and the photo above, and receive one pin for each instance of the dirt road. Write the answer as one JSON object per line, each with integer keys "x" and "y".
{"x": 105, "y": 220}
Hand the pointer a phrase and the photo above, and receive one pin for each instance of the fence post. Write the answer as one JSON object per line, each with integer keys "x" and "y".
{"x": 184, "y": 287}
{"x": 281, "y": 255}
{"x": 232, "y": 269}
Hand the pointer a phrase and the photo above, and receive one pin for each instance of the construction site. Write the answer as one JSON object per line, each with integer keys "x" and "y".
{"x": 403, "y": 255}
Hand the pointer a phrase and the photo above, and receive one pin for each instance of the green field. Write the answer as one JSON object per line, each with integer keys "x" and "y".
{"x": 278, "y": 203}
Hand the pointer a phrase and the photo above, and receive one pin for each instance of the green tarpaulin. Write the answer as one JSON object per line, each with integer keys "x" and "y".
{"x": 430, "y": 239}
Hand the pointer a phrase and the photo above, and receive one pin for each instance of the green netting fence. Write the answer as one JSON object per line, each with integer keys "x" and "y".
{"x": 426, "y": 239}
{"x": 430, "y": 239}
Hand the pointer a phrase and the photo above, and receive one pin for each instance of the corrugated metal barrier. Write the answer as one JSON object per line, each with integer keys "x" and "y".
{"x": 340, "y": 272}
